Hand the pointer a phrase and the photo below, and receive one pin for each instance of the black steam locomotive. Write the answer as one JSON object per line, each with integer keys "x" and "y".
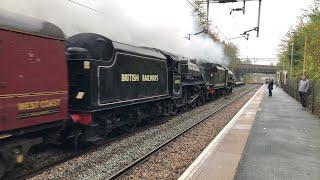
{"x": 114, "y": 85}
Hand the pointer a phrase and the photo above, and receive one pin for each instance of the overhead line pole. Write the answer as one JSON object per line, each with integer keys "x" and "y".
{"x": 208, "y": 6}
{"x": 259, "y": 14}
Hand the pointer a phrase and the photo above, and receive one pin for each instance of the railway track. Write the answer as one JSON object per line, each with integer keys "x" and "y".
{"x": 146, "y": 156}
{"x": 41, "y": 169}
{"x": 36, "y": 171}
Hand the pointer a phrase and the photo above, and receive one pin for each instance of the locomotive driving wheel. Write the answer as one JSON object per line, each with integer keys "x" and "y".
{"x": 150, "y": 120}
{"x": 173, "y": 110}
{"x": 184, "y": 108}
{"x": 193, "y": 105}
{"x": 201, "y": 101}
{"x": 130, "y": 127}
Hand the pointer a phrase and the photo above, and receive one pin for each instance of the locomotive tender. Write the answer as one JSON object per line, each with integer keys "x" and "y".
{"x": 54, "y": 90}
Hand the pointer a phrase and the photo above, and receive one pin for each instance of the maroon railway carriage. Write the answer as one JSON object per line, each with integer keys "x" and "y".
{"x": 33, "y": 85}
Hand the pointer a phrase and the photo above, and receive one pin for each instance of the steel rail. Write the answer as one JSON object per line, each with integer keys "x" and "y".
{"x": 146, "y": 156}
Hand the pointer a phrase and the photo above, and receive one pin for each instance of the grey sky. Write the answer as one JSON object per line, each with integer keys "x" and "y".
{"x": 149, "y": 19}
{"x": 276, "y": 19}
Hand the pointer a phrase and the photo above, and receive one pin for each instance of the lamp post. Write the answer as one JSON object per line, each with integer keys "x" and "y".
{"x": 291, "y": 59}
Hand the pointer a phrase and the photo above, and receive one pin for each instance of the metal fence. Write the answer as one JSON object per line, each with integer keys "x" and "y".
{"x": 313, "y": 95}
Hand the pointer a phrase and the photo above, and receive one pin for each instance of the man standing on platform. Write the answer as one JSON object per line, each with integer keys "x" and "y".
{"x": 270, "y": 86}
{"x": 303, "y": 89}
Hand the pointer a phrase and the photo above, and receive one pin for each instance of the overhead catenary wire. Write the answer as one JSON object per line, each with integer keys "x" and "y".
{"x": 242, "y": 40}
{"x": 190, "y": 3}
{"x": 82, "y": 5}
{"x": 207, "y": 2}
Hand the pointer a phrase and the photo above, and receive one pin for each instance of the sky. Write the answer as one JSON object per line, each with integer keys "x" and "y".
{"x": 277, "y": 17}
{"x": 164, "y": 24}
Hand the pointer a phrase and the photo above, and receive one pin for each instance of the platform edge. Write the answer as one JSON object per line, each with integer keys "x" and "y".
{"x": 192, "y": 169}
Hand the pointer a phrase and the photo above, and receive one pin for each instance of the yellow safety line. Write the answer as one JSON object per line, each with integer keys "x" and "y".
{"x": 32, "y": 94}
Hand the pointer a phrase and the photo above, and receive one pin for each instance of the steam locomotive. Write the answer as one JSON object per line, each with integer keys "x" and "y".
{"x": 57, "y": 90}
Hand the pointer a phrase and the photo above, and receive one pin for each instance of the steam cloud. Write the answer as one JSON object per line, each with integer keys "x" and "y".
{"x": 152, "y": 23}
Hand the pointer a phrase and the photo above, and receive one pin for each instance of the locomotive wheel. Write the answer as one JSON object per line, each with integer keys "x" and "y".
{"x": 150, "y": 120}
{"x": 203, "y": 100}
{"x": 2, "y": 168}
{"x": 184, "y": 108}
{"x": 131, "y": 127}
{"x": 174, "y": 111}
{"x": 193, "y": 105}
{"x": 200, "y": 102}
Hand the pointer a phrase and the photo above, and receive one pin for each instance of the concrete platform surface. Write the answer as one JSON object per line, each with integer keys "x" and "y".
{"x": 284, "y": 142}
{"x": 221, "y": 157}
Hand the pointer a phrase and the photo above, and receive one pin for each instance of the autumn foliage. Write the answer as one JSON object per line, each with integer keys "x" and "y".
{"x": 307, "y": 29}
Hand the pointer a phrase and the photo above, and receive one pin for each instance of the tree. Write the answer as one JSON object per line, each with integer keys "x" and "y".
{"x": 232, "y": 53}
{"x": 308, "y": 27}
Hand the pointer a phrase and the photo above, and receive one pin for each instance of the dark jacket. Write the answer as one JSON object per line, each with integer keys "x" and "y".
{"x": 270, "y": 85}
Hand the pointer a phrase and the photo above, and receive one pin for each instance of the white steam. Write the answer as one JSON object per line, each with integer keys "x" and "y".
{"x": 152, "y": 23}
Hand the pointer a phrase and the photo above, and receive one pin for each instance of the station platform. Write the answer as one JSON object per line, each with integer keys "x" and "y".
{"x": 269, "y": 138}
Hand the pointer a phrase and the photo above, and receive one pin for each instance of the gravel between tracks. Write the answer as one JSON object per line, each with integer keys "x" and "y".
{"x": 107, "y": 160}
{"x": 171, "y": 161}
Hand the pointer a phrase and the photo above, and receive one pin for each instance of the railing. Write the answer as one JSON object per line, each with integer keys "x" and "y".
{"x": 313, "y": 95}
